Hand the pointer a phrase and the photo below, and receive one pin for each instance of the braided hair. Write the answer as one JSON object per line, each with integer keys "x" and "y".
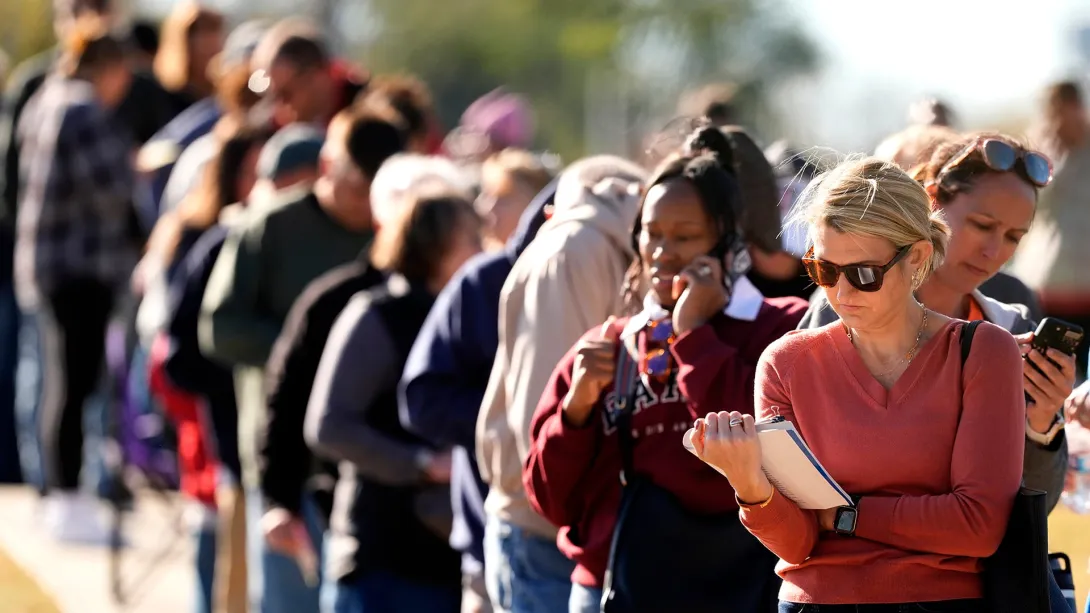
{"x": 706, "y": 161}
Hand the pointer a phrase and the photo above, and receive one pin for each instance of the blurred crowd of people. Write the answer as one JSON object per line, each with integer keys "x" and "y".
{"x": 369, "y": 334}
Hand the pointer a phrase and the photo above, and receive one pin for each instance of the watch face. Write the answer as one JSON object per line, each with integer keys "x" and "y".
{"x": 845, "y": 521}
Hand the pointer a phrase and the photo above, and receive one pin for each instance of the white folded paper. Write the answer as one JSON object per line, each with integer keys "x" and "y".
{"x": 792, "y": 468}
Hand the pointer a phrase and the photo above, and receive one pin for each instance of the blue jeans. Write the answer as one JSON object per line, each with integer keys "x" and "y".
{"x": 947, "y": 606}
{"x": 524, "y": 572}
{"x": 9, "y": 359}
{"x": 205, "y": 540}
{"x": 585, "y": 599}
{"x": 28, "y": 391}
{"x": 276, "y": 584}
{"x": 379, "y": 592}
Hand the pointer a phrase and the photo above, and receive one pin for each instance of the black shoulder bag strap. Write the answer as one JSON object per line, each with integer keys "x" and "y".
{"x": 1016, "y": 576}
{"x": 967, "y": 332}
{"x": 625, "y": 379}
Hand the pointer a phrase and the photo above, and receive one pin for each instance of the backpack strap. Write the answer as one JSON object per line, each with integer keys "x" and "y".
{"x": 967, "y": 332}
{"x": 625, "y": 377}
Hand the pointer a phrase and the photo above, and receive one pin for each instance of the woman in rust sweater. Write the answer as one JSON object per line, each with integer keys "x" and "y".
{"x": 697, "y": 351}
{"x": 930, "y": 450}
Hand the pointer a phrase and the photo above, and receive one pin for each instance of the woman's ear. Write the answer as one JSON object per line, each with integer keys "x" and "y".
{"x": 920, "y": 255}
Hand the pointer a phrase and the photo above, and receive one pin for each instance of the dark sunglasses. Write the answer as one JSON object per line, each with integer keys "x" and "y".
{"x": 1002, "y": 157}
{"x": 658, "y": 363}
{"x": 863, "y": 277}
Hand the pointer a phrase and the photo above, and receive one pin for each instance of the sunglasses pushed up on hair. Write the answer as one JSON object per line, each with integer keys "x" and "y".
{"x": 863, "y": 277}
{"x": 1003, "y": 157}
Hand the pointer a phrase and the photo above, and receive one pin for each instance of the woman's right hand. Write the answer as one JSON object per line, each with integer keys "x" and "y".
{"x": 734, "y": 451}
{"x": 595, "y": 361}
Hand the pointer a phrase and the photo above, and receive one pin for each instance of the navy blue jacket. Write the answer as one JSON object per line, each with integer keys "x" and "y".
{"x": 182, "y": 131}
{"x": 445, "y": 377}
{"x": 186, "y": 365}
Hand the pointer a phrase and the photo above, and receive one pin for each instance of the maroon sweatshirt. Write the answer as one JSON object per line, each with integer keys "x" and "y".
{"x": 571, "y": 476}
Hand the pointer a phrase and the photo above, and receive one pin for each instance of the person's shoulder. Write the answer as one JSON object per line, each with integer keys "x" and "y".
{"x": 784, "y": 353}
{"x": 481, "y": 270}
{"x": 994, "y": 341}
{"x": 284, "y": 208}
{"x": 787, "y": 307}
{"x": 335, "y": 288}
{"x": 571, "y": 244}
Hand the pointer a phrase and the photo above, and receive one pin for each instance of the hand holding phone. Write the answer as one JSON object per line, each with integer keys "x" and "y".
{"x": 1049, "y": 369}
{"x": 701, "y": 292}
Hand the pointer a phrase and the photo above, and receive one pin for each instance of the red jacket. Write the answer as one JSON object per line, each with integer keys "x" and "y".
{"x": 197, "y": 463}
{"x": 571, "y": 476}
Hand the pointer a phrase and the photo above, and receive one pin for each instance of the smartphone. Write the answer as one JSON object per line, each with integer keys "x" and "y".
{"x": 1057, "y": 334}
{"x": 718, "y": 253}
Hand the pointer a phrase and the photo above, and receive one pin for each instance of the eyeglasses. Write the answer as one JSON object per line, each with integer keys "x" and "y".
{"x": 658, "y": 362}
{"x": 863, "y": 277}
{"x": 1002, "y": 157}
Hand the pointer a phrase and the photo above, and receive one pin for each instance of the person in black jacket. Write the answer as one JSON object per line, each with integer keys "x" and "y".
{"x": 286, "y": 462}
{"x": 388, "y": 548}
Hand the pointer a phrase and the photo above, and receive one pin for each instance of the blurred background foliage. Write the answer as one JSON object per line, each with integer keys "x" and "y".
{"x": 599, "y": 73}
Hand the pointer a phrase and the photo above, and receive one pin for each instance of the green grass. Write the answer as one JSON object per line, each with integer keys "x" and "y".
{"x": 20, "y": 593}
{"x": 1070, "y": 533}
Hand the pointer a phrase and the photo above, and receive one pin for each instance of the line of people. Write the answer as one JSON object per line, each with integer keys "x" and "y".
{"x": 409, "y": 374}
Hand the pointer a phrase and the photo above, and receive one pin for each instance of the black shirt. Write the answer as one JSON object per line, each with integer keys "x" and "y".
{"x": 286, "y": 461}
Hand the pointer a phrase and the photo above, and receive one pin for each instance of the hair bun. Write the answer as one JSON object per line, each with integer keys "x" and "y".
{"x": 712, "y": 141}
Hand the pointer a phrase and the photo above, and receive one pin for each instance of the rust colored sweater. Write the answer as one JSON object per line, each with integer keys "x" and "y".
{"x": 937, "y": 460}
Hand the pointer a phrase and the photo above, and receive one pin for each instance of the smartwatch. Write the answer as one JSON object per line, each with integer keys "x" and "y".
{"x": 846, "y": 518}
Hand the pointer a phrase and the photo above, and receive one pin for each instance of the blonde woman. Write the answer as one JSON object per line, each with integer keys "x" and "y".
{"x": 190, "y": 37}
{"x": 509, "y": 181}
{"x": 930, "y": 449}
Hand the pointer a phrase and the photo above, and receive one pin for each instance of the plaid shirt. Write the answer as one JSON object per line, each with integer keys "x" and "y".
{"x": 76, "y": 189}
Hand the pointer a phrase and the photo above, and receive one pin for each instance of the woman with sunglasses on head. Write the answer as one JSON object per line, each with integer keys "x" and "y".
{"x": 691, "y": 346}
{"x": 986, "y": 188}
{"x": 926, "y": 446}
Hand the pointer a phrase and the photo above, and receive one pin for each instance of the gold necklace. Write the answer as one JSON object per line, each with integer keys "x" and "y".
{"x": 911, "y": 353}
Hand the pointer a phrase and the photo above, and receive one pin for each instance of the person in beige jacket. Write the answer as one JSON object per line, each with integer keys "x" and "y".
{"x": 568, "y": 280}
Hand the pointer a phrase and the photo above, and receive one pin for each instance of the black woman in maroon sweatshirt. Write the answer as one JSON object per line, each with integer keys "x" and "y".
{"x": 700, "y": 327}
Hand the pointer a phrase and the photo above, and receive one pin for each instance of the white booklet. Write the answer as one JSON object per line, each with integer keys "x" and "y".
{"x": 792, "y": 468}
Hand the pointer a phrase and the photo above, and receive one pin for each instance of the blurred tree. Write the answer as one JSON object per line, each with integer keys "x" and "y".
{"x": 26, "y": 28}
{"x": 635, "y": 55}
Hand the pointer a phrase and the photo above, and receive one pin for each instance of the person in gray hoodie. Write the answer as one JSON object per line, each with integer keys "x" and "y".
{"x": 564, "y": 283}
{"x": 988, "y": 211}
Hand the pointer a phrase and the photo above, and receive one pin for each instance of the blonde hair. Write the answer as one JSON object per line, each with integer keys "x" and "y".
{"x": 522, "y": 166}
{"x": 872, "y": 197}
{"x": 172, "y": 62}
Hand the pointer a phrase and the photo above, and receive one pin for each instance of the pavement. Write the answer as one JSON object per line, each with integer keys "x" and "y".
{"x": 155, "y": 569}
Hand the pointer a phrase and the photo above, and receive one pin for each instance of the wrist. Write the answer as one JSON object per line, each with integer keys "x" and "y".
{"x": 1041, "y": 424}
{"x": 1049, "y": 435}
{"x": 576, "y": 412}
{"x": 754, "y": 491}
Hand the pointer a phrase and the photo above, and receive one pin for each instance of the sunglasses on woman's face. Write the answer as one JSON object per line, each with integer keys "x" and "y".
{"x": 863, "y": 277}
{"x": 1002, "y": 157}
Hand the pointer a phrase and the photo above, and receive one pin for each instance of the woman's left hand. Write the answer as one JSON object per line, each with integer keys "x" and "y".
{"x": 826, "y": 519}
{"x": 1049, "y": 390}
{"x": 734, "y": 451}
{"x": 700, "y": 293}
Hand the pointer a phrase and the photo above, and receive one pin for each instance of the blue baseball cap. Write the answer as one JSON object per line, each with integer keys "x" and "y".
{"x": 294, "y": 147}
